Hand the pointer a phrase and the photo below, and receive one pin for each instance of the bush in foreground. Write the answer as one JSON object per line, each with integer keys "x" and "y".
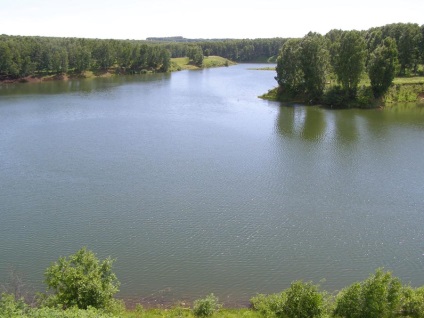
{"x": 81, "y": 281}
{"x": 379, "y": 296}
{"x": 206, "y": 307}
{"x": 301, "y": 300}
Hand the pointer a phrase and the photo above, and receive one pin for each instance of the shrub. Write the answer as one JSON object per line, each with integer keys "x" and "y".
{"x": 365, "y": 97}
{"x": 269, "y": 305}
{"x": 206, "y": 307}
{"x": 335, "y": 97}
{"x": 413, "y": 302}
{"x": 10, "y": 307}
{"x": 83, "y": 281}
{"x": 303, "y": 301}
{"x": 377, "y": 297}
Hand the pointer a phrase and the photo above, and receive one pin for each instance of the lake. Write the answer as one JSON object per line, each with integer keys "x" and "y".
{"x": 195, "y": 185}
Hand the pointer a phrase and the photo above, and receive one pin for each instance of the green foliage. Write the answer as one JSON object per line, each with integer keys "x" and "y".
{"x": 195, "y": 54}
{"x": 81, "y": 280}
{"x": 269, "y": 305}
{"x": 349, "y": 60}
{"x": 364, "y": 97}
{"x": 11, "y": 307}
{"x": 303, "y": 301}
{"x": 206, "y": 307}
{"x": 289, "y": 72}
{"x": 335, "y": 97}
{"x": 382, "y": 66}
{"x": 23, "y": 56}
{"x": 314, "y": 61}
{"x": 412, "y": 302}
{"x": 377, "y": 297}
{"x": 403, "y": 93}
{"x": 302, "y": 67}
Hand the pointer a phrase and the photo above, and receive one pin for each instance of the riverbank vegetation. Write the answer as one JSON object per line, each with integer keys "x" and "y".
{"x": 83, "y": 286}
{"x": 352, "y": 68}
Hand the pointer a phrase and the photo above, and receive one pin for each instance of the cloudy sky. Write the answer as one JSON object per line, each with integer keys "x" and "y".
{"x": 138, "y": 19}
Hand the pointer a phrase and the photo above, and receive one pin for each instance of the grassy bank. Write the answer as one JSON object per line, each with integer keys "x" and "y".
{"x": 183, "y": 63}
{"x": 403, "y": 89}
{"x": 187, "y": 312}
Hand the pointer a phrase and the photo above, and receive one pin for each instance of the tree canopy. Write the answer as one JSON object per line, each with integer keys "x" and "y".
{"x": 81, "y": 280}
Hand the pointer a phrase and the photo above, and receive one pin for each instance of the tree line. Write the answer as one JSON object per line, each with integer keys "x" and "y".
{"x": 306, "y": 66}
{"x": 22, "y": 56}
{"x": 244, "y": 50}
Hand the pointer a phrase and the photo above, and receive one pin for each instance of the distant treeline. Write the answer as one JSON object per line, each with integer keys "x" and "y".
{"x": 22, "y": 56}
{"x": 256, "y": 50}
{"x": 180, "y": 39}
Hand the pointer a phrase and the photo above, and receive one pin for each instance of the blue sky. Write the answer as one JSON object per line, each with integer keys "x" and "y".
{"x": 132, "y": 19}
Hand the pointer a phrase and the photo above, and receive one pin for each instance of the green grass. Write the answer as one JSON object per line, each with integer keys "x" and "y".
{"x": 409, "y": 80}
{"x": 186, "y": 312}
{"x": 183, "y": 63}
{"x": 216, "y": 61}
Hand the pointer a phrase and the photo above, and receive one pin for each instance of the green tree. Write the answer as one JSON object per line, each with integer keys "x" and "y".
{"x": 421, "y": 45}
{"x": 408, "y": 47}
{"x": 166, "y": 60}
{"x": 104, "y": 54}
{"x": 377, "y": 297}
{"x": 195, "y": 54}
{"x": 382, "y": 66}
{"x": 290, "y": 77}
{"x": 314, "y": 61}
{"x": 413, "y": 302}
{"x": 60, "y": 61}
{"x": 303, "y": 301}
{"x": 81, "y": 280}
{"x": 349, "y": 60}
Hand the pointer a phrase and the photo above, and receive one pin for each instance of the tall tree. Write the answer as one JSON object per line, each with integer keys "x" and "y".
{"x": 382, "y": 66}
{"x": 349, "y": 60}
{"x": 195, "y": 54}
{"x": 408, "y": 48}
{"x": 289, "y": 72}
{"x": 314, "y": 61}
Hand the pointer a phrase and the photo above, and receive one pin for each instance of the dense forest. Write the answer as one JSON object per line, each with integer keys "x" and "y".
{"x": 256, "y": 50}
{"x": 329, "y": 69}
{"x": 22, "y": 56}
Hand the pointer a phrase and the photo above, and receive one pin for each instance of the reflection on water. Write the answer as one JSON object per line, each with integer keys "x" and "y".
{"x": 345, "y": 126}
{"x": 75, "y": 85}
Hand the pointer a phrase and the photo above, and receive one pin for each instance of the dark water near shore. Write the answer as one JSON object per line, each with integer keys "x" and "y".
{"x": 195, "y": 185}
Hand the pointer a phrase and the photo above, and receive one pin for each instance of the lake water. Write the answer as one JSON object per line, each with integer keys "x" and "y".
{"x": 196, "y": 186}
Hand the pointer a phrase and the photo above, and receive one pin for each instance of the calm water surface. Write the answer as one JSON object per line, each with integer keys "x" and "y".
{"x": 195, "y": 185}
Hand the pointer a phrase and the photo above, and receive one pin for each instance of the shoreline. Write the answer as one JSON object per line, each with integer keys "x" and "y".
{"x": 177, "y": 64}
{"x": 399, "y": 92}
